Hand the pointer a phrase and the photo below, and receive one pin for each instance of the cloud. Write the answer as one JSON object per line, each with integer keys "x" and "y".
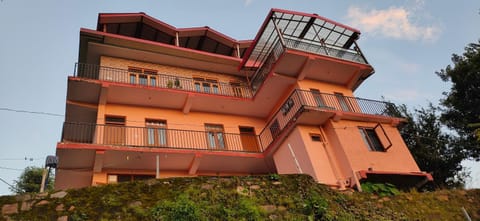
{"x": 394, "y": 22}
{"x": 248, "y": 2}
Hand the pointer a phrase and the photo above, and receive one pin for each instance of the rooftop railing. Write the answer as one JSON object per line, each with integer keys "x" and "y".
{"x": 325, "y": 49}
{"x": 162, "y": 80}
{"x": 157, "y": 137}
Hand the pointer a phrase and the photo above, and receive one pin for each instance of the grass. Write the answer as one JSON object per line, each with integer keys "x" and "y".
{"x": 270, "y": 197}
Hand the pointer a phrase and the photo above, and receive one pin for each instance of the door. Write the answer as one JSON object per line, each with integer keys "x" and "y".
{"x": 114, "y": 132}
{"x": 215, "y": 136}
{"x": 156, "y": 132}
{"x": 249, "y": 139}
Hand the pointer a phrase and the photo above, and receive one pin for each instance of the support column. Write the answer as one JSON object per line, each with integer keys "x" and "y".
{"x": 195, "y": 164}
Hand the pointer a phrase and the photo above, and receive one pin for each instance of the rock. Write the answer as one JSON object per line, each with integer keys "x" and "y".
{"x": 72, "y": 207}
{"x": 166, "y": 182}
{"x": 41, "y": 195}
{"x": 207, "y": 186}
{"x": 269, "y": 208}
{"x": 254, "y": 187}
{"x": 443, "y": 198}
{"x": 385, "y": 199}
{"x": 62, "y": 218}
{"x": 9, "y": 209}
{"x": 135, "y": 204}
{"x": 26, "y": 205}
{"x": 42, "y": 202}
{"x": 59, "y": 208}
{"x": 24, "y": 197}
{"x": 242, "y": 191}
{"x": 276, "y": 183}
{"x": 281, "y": 208}
{"x": 59, "y": 195}
{"x": 273, "y": 217}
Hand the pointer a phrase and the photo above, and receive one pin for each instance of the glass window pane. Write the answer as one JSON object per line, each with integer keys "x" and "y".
{"x": 133, "y": 79}
{"x": 142, "y": 79}
{"x": 162, "y": 138}
{"x": 153, "y": 81}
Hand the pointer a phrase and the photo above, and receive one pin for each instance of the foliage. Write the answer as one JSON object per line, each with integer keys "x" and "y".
{"x": 380, "y": 189}
{"x": 181, "y": 209}
{"x": 292, "y": 197}
{"x": 462, "y": 103}
{"x": 29, "y": 181}
{"x": 434, "y": 150}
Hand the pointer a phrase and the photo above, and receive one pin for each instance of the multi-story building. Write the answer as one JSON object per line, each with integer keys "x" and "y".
{"x": 151, "y": 100}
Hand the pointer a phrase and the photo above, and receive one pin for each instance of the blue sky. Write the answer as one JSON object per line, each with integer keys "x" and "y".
{"x": 405, "y": 41}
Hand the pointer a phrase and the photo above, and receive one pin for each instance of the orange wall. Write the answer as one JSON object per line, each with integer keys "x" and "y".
{"x": 311, "y": 156}
{"x": 135, "y": 116}
{"x": 348, "y": 137}
{"x": 324, "y": 87}
{"x": 165, "y": 69}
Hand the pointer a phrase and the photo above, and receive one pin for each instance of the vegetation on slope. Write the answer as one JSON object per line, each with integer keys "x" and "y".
{"x": 272, "y": 197}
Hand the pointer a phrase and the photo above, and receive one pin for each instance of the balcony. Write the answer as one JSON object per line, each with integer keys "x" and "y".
{"x": 314, "y": 108}
{"x": 155, "y": 137}
{"x": 301, "y": 107}
{"x": 162, "y": 80}
{"x": 304, "y": 45}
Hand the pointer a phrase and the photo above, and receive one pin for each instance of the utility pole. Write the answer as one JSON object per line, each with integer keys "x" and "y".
{"x": 50, "y": 162}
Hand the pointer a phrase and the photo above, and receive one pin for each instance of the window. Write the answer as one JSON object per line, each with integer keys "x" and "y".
{"x": 206, "y": 85}
{"x": 275, "y": 129}
{"x": 215, "y": 136}
{"x": 156, "y": 132}
{"x": 342, "y": 101}
{"x": 316, "y": 137}
{"x": 287, "y": 106}
{"x": 318, "y": 98}
{"x": 142, "y": 76}
{"x": 371, "y": 139}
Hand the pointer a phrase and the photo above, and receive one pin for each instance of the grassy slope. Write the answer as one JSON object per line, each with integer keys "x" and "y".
{"x": 286, "y": 197}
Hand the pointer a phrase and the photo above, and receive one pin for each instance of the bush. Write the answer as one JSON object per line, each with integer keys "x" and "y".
{"x": 182, "y": 209}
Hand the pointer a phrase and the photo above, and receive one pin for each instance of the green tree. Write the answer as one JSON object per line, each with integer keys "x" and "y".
{"x": 29, "y": 181}
{"x": 434, "y": 150}
{"x": 461, "y": 105}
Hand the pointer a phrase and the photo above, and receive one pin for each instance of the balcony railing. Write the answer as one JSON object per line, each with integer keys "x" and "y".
{"x": 161, "y": 80}
{"x": 299, "y": 100}
{"x": 329, "y": 50}
{"x": 156, "y": 137}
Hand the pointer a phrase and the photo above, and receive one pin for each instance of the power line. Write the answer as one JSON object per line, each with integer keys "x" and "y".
{"x": 10, "y": 185}
{"x": 19, "y": 159}
{"x": 30, "y": 112}
{"x": 8, "y": 168}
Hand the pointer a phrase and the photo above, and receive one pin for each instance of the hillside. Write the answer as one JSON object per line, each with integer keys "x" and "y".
{"x": 272, "y": 197}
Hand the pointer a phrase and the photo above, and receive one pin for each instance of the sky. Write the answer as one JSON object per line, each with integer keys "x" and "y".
{"x": 406, "y": 41}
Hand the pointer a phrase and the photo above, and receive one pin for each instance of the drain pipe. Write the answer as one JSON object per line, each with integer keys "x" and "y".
{"x": 295, "y": 159}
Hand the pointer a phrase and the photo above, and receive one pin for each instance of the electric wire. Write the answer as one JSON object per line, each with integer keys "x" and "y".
{"x": 31, "y": 112}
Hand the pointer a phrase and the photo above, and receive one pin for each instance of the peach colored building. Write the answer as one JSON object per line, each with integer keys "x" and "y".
{"x": 151, "y": 100}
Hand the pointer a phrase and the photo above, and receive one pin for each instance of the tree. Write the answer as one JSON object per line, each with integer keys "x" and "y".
{"x": 29, "y": 181}
{"x": 461, "y": 105}
{"x": 434, "y": 150}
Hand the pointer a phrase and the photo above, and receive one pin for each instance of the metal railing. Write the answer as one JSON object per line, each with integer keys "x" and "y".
{"x": 156, "y": 137}
{"x": 296, "y": 103}
{"x": 262, "y": 73}
{"x": 161, "y": 80}
{"x": 329, "y": 50}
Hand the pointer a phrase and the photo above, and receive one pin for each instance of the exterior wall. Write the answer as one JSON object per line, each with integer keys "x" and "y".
{"x": 68, "y": 179}
{"x": 135, "y": 116}
{"x": 324, "y": 87}
{"x": 347, "y": 137}
{"x": 311, "y": 156}
{"x": 124, "y": 64}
